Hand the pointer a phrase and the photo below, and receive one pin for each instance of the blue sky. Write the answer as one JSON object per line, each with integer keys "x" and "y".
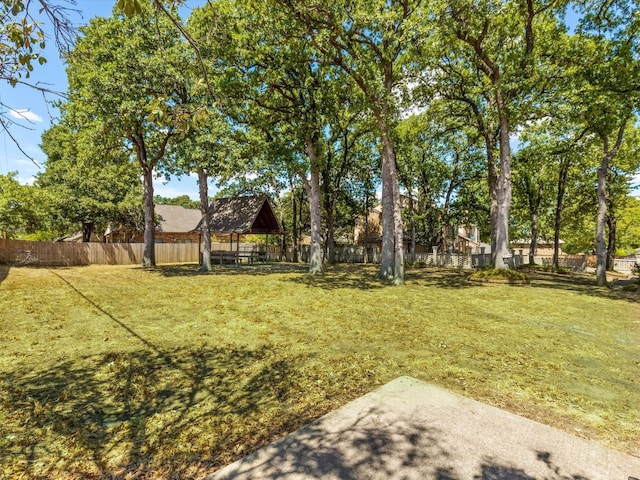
{"x": 32, "y": 112}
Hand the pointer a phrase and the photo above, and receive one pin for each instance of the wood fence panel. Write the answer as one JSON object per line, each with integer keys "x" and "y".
{"x": 115, "y": 253}
{"x": 177, "y": 253}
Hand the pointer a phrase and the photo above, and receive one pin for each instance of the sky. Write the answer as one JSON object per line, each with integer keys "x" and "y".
{"x": 33, "y": 112}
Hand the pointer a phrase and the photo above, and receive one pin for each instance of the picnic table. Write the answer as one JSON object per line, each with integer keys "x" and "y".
{"x": 229, "y": 256}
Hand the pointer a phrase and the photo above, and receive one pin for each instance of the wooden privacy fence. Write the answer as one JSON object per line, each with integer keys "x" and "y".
{"x": 17, "y": 252}
{"x": 20, "y": 252}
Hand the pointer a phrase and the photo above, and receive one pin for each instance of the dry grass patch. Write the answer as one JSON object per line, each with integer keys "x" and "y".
{"x": 128, "y": 373}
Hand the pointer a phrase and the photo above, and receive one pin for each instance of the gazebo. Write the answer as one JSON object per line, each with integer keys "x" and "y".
{"x": 242, "y": 216}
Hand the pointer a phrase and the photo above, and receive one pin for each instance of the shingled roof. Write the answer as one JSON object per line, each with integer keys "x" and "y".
{"x": 176, "y": 219}
{"x": 242, "y": 215}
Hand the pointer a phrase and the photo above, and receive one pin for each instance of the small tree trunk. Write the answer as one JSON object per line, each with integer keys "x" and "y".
{"x": 203, "y": 189}
{"x": 87, "y": 230}
{"x": 331, "y": 242}
{"x": 611, "y": 245}
{"x": 562, "y": 181}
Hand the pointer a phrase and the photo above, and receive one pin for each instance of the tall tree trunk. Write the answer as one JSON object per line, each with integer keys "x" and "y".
{"x": 533, "y": 248}
{"x": 315, "y": 254}
{"x": 503, "y": 191}
{"x": 294, "y": 226}
{"x": 603, "y": 171}
{"x": 562, "y": 182}
{"x": 392, "y": 256}
{"x": 412, "y": 248}
{"x": 149, "y": 255}
{"x": 328, "y": 203}
{"x": 492, "y": 180}
{"x": 203, "y": 190}
{"x": 601, "y": 247}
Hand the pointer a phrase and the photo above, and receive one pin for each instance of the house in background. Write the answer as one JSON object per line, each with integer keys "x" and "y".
{"x": 368, "y": 231}
{"x": 544, "y": 247}
{"x": 174, "y": 224}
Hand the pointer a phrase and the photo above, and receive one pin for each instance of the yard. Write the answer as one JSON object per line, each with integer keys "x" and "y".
{"x": 122, "y": 372}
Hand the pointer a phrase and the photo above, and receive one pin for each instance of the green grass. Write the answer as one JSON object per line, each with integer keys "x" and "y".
{"x": 125, "y": 372}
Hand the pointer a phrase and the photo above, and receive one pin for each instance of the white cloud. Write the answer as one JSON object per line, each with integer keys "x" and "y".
{"x": 26, "y": 181}
{"x": 24, "y": 114}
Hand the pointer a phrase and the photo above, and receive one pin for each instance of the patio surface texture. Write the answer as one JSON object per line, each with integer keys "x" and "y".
{"x": 409, "y": 430}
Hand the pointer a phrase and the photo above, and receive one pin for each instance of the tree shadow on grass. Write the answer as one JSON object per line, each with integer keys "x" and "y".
{"x": 256, "y": 269}
{"x": 153, "y": 409}
{"x": 4, "y": 272}
{"x": 375, "y": 444}
{"x": 363, "y": 277}
{"x": 582, "y": 284}
{"x": 130, "y": 413}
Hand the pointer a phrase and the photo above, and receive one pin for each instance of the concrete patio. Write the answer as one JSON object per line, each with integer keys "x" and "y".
{"x": 412, "y": 430}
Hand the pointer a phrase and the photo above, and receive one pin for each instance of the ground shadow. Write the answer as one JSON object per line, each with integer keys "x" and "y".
{"x": 139, "y": 406}
{"x": 258, "y": 269}
{"x": 364, "y": 277}
{"x": 375, "y": 446}
{"x": 580, "y": 283}
{"x": 4, "y": 272}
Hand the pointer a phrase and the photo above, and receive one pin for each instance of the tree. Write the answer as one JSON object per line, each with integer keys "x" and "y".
{"x": 437, "y": 156}
{"x": 495, "y": 58}
{"x": 281, "y": 87}
{"x": 121, "y": 72}
{"x": 181, "y": 200}
{"x": 611, "y": 92}
{"x": 87, "y": 189}
{"x": 20, "y": 212}
{"x": 369, "y": 41}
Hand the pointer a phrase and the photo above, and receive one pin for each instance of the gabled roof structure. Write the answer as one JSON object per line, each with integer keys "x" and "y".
{"x": 242, "y": 215}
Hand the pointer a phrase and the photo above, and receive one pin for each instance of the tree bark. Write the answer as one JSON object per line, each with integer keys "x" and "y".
{"x": 503, "y": 191}
{"x": 328, "y": 202}
{"x": 294, "y": 226}
{"x": 611, "y": 245}
{"x": 87, "y": 230}
{"x": 601, "y": 248}
{"x": 315, "y": 254}
{"x": 149, "y": 255}
{"x": 533, "y": 248}
{"x": 392, "y": 255}
{"x": 203, "y": 189}
{"x": 562, "y": 182}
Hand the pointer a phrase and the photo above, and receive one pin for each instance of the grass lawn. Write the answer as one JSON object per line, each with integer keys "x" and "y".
{"x": 122, "y": 372}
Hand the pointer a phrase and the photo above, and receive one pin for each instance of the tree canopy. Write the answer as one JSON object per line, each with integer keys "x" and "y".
{"x": 497, "y": 114}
